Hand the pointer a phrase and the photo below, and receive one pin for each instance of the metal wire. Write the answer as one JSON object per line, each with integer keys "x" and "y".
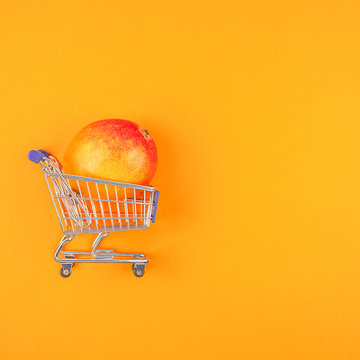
{"x": 73, "y": 203}
{"x": 80, "y": 205}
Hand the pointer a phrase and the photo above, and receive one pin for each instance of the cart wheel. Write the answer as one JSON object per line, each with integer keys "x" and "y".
{"x": 65, "y": 273}
{"x": 138, "y": 269}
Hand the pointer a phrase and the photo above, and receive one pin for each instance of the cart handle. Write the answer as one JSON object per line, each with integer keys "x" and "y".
{"x": 37, "y": 155}
{"x": 155, "y": 206}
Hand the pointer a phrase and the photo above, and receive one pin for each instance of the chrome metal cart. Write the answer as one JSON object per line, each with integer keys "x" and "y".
{"x": 87, "y": 205}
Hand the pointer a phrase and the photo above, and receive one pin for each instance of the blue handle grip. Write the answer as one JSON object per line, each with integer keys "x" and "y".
{"x": 45, "y": 153}
{"x": 155, "y": 206}
{"x": 37, "y": 155}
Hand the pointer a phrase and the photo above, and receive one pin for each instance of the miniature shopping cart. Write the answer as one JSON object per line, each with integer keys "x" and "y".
{"x": 86, "y": 205}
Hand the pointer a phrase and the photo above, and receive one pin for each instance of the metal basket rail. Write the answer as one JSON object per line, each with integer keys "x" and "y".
{"x": 87, "y": 205}
{"x": 110, "y": 206}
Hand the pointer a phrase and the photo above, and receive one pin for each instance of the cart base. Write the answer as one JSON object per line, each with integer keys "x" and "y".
{"x": 138, "y": 261}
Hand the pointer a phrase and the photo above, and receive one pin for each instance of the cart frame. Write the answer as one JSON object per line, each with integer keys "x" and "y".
{"x": 80, "y": 212}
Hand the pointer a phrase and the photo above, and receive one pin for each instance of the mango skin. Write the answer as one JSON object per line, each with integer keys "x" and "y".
{"x": 112, "y": 149}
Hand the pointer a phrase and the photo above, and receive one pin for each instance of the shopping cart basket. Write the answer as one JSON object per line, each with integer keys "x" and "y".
{"x": 87, "y": 205}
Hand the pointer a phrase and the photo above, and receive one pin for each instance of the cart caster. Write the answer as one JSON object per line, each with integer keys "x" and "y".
{"x": 65, "y": 271}
{"x": 138, "y": 269}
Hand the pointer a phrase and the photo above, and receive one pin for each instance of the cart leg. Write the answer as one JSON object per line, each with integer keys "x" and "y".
{"x": 103, "y": 253}
{"x": 66, "y": 267}
{"x": 64, "y": 240}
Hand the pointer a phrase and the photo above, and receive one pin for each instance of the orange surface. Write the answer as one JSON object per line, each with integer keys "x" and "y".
{"x": 254, "y": 107}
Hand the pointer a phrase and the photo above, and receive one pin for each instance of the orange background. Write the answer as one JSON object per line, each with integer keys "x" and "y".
{"x": 254, "y": 106}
